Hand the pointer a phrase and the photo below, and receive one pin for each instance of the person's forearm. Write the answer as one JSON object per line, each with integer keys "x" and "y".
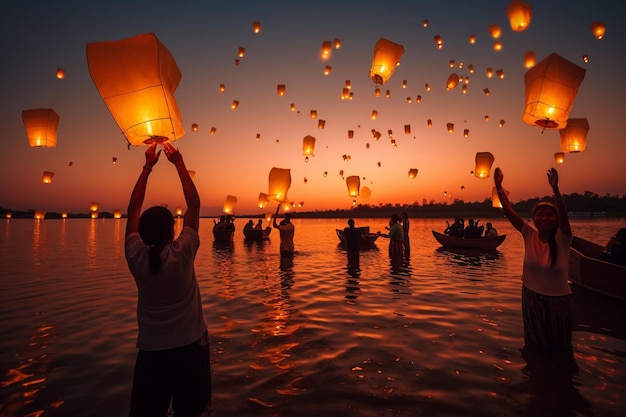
{"x": 139, "y": 191}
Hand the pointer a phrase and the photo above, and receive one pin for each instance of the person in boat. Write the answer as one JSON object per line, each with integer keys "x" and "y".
{"x": 259, "y": 225}
{"x": 615, "y": 249}
{"x": 173, "y": 362}
{"x": 406, "y": 223}
{"x": 455, "y": 229}
{"x": 230, "y": 223}
{"x": 353, "y": 237}
{"x": 490, "y": 231}
{"x": 473, "y": 230}
{"x": 220, "y": 224}
{"x": 249, "y": 226}
{"x": 546, "y": 294}
{"x": 286, "y": 230}
{"x": 396, "y": 238}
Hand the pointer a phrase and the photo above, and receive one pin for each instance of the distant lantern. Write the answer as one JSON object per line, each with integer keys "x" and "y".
{"x": 308, "y": 145}
{"x": 494, "y": 31}
{"x": 114, "y": 160}
{"x": 136, "y": 78}
{"x": 325, "y": 174}
{"x": 94, "y": 214}
{"x": 292, "y": 106}
{"x": 387, "y": 56}
{"x": 387, "y": 93}
{"x": 495, "y": 200}
{"x": 263, "y": 200}
{"x": 222, "y": 88}
{"x": 427, "y": 87}
{"x": 450, "y": 127}
{"x": 39, "y": 214}
{"x": 354, "y": 184}
{"x": 489, "y": 72}
{"x": 345, "y": 93}
{"x": 407, "y": 129}
{"x": 559, "y": 157}
{"x": 341, "y": 173}
{"x": 483, "y": 164}
{"x": 465, "y": 133}
{"x": 470, "y": 68}
{"x": 256, "y": 27}
{"x": 41, "y": 127}
{"x": 374, "y": 114}
{"x": 574, "y": 135}
{"x": 191, "y": 173}
{"x": 472, "y": 39}
{"x": 464, "y": 89}
{"x": 429, "y": 123}
{"x": 337, "y": 43}
{"x": 241, "y": 52}
{"x": 348, "y": 84}
{"x": 327, "y": 69}
{"x": 64, "y": 214}
{"x": 194, "y": 127}
{"x": 237, "y": 62}
{"x": 425, "y": 23}
{"x": 529, "y": 59}
{"x": 326, "y": 50}
{"x": 412, "y": 173}
{"x": 551, "y": 87}
{"x": 179, "y": 211}
{"x": 279, "y": 182}
{"x": 60, "y": 73}
{"x": 306, "y": 180}
{"x": 280, "y": 89}
{"x": 453, "y": 81}
{"x": 598, "y": 29}
{"x": 234, "y": 104}
{"x": 519, "y": 13}
{"x": 418, "y": 99}
{"x": 258, "y": 137}
{"x": 390, "y": 133}
{"x": 409, "y": 100}
{"x": 321, "y": 123}
{"x": 585, "y": 58}
{"x": 403, "y": 83}
{"x": 500, "y": 74}
{"x": 229, "y": 204}
{"x": 350, "y": 134}
{"x": 497, "y": 46}
{"x": 501, "y": 123}
{"x": 47, "y": 177}
{"x": 438, "y": 41}
{"x": 94, "y": 206}
{"x": 452, "y": 63}
{"x": 213, "y": 130}
{"x": 8, "y": 215}
{"x": 313, "y": 114}
{"x": 117, "y": 214}
{"x": 486, "y": 118}
{"x": 377, "y": 92}
{"x": 487, "y": 92}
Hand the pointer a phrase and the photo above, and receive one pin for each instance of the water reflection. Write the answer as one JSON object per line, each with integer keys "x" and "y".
{"x": 91, "y": 244}
{"x": 286, "y": 272}
{"x": 399, "y": 279}
{"x": 37, "y": 243}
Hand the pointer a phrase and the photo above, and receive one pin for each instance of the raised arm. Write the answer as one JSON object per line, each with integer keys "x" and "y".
{"x": 510, "y": 214}
{"x": 274, "y": 219}
{"x": 139, "y": 192}
{"x": 553, "y": 180}
{"x": 192, "y": 199}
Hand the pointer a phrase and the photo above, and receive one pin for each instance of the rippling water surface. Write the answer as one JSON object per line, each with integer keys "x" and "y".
{"x": 439, "y": 335}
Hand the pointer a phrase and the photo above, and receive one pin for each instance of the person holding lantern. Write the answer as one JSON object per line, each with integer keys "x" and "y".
{"x": 287, "y": 231}
{"x": 173, "y": 362}
{"x": 546, "y": 294}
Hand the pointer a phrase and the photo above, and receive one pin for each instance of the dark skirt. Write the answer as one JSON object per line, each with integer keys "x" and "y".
{"x": 547, "y": 321}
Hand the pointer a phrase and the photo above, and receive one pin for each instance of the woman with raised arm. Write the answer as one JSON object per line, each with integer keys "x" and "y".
{"x": 173, "y": 363}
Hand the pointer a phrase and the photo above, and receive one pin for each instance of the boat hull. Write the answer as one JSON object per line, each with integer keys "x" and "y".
{"x": 257, "y": 234}
{"x": 366, "y": 243}
{"x": 482, "y": 243}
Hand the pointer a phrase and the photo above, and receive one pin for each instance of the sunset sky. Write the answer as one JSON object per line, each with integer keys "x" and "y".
{"x": 37, "y": 37}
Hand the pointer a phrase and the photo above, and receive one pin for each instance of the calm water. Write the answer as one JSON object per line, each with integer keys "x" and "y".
{"x": 438, "y": 336}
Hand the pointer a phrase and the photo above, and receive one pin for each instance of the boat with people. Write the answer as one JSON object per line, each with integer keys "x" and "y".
{"x": 587, "y": 271}
{"x": 370, "y": 238}
{"x": 223, "y": 235}
{"x": 257, "y": 234}
{"x": 483, "y": 243}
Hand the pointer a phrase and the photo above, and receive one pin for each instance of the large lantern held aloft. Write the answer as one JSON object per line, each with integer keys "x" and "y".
{"x": 551, "y": 87}
{"x": 519, "y": 13}
{"x": 41, "y": 127}
{"x": 574, "y": 136}
{"x": 354, "y": 184}
{"x": 483, "y": 164}
{"x": 387, "y": 56}
{"x": 279, "y": 182}
{"x": 229, "y": 204}
{"x": 308, "y": 145}
{"x": 136, "y": 78}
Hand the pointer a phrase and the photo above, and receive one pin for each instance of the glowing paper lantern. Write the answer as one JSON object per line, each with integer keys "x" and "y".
{"x": 497, "y": 46}
{"x": 94, "y": 206}
{"x": 60, "y": 73}
{"x": 222, "y": 88}
{"x": 234, "y": 104}
{"x": 41, "y": 127}
{"x": 551, "y": 87}
{"x": 574, "y": 135}
{"x": 501, "y": 123}
{"x": 453, "y": 81}
{"x": 494, "y": 31}
{"x": 256, "y": 27}
{"x": 559, "y": 157}
{"x": 327, "y": 69}
{"x": 529, "y": 59}
{"x": 308, "y": 145}
{"x": 136, "y": 78}
{"x": 213, "y": 130}
{"x": 8, "y": 215}
{"x": 94, "y": 214}
{"x": 114, "y": 160}
{"x": 465, "y": 132}
{"x": 495, "y": 200}
{"x": 263, "y": 200}
{"x": 450, "y": 127}
{"x": 229, "y": 204}
{"x": 280, "y": 89}
{"x": 313, "y": 114}
{"x": 117, "y": 214}
{"x": 598, "y": 29}
{"x": 472, "y": 39}
{"x": 387, "y": 56}
{"x": 326, "y": 50}
{"x": 354, "y": 184}
{"x": 47, "y": 177}
{"x": 374, "y": 114}
{"x": 350, "y": 134}
{"x": 39, "y": 214}
{"x": 519, "y": 13}
{"x": 241, "y": 52}
{"x": 483, "y": 164}
{"x": 438, "y": 41}
{"x": 429, "y": 123}
{"x": 337, "y": 43}
{"x": 194, "y": 127}
{"x": 279, "y": 182}
{"x": 412, "y": 173}
{"x": 321, "y": 123}
{"x": 64, "y": 215}
{"x": 407, "y": 129}
{"x": 500, "y": 74}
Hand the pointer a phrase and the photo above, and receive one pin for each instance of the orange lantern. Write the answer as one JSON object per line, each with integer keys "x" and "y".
{"x": 483, "y": 164}
{"x": 136, "y": 78}
{"x": 8, "y": 215}
{"x": 494, "y": 31}
{"x": 194, "y": 127}
{"x": 117, "y": 214}
{"x": 350, "y": 134}
{"x": 114, "y": 160}
{"x": 41, "y": 127}
{"x": 453, "y": 81}
{"x": 234, "y": 104}
{"x": 489, "y": 72}
{"x": 374, "y": 114}
{"x": 94, "y": 206}
{"x": 64, "y": 215}
{"x": 222, "y": 88}
{"x": 337, "y": 43}
{"x": 327, "y": 69}
{"x": 472, "y": 39}
{"x": 279, "y": 182}
{"x": 213, "y": 130}
{"x": 280, "y": 89}
{"x": 326, "y": 50}
{"x": 574, "y": 135}
{"x": 313, "y": 114}
{"x": 229, "y": 204}
{"x": 497, "y": 46}
{"x": 465, "y": 132}
{"x": 256, "y": 27}
{"x": 40, "y": 214}
{"x": 551, "y": 87}
{"x": 354, "y": 184}
{"x": 47, "y": 177}
{"x": 598, "y": 29}
{"x": 429, "y": 123}
{"x": 500, "y": 74}
{"x": 559, "y": 157}
{"x": 519, "y": 13}
{"x": 450, "y": 127}
{"x": 263, "y": 200}
{"x": 60, "y": 73}
{"x": 438, "y": 41}
{"x": 407, "y": 129}
{"x": 501, "y": 123}
{"x": 321, "y": 123}
{"x": 387, "y": 56}
{"x": 241, "y": 52}
{"x": 308, "y": 145}
{"x": 529, "y": 59}
{"x": 412, "y": 173}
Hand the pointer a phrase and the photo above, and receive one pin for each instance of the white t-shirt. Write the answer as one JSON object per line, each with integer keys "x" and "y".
{"x": 169, "y": 307}
{"x": 537, "y": 274}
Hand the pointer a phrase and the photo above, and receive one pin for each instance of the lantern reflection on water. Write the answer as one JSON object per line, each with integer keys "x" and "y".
{"x": 483, "y": 164}
{"x": 41, "y": 127}
{"x": 136, "y": 78}
{"x": 387, "y": 56}
{"x": 574, "y": 135}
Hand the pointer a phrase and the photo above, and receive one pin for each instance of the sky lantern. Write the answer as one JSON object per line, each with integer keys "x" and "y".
{"x": 495, "y": 200}
{"x": 412, "y": 173}
{"x": 387, "y": 56}
{"x": 212, "y": 131}
{"x": 60, "y": 73}
{"x": 486, "y": 118}
{"x": 94, "y": 206}
{"x": 39, "y": 214}
{"x": 292, "y": 106}
{"x": 425, "y": 23}
{"x": 483, "y": 164}
{"x": 529, "y": 59}
{"x": 341, "y": 173}
{"x": 453, "y": 81}
{"x": 337, "y": 43}
{"x": 404, "y": 82}
{"x": 374, "y": 114}
{"x": 551, "y": 87}
{"x": 418, "y": 99}
{"x": 500, "y": 74}
{"x": 136, "y": 78}
{"x": 387, "y": 93}
{"x": 585, "y": 58}
{"x": 241, "y": 52}
{"x": 519, "y": 13}
{"x": 438, "y": 41}
{"x": 559, "y": 157}
{"x": 472, "y": 39}
{"x": 366, "y": 192}
{"x": 256, "y": 27}
{"x": 427, "y": 87}
{"x": 308, "y": 145}
{"x": 464, "y": 89}
{"x": 574, "y": 135}
{"x": 345, "y": 93}
{"x": 494, "y": 31}
{"x": 377, "y": 92}
{"x": 409, "y": 100}
{"x": 279, "y": 182}
{"x": 501, "y": 123}
{"x": 263, "y": 200}
{"x": 497, "y": 46}
{"x": 258, "y": 137}
{"x": 8, "y": 215}
{"x": 280, "y": 90}
{"x": 313, "y": 114}
{"x": 465, "y": 133}
{"x": 350, "y": 134}
{"x": 114, "y": 160}
{"x": 598, "y": 29}
{"x": 222, "y": 88}
{"x": 321, "y": 123}
{"x": 407, "y": 129}
{"x": 47, "y": 177}
{"x": 326, "y": 50}
{"x": 117, "y": 214}
{"x": 348, "y": 84}
{"x": 237, "y": 62}
{"x": 489, "y": 72}
{"x": 354, "y": 184}
{"x": 487, "y": 92}
{"x": 41, "y": 127}
{"x": 194, "y": 127}
{"x": 450, "y": 127}
{"x": 429, "y": 123}
{"x": 229, "y": 204}
{"x": 327, "y": 69}
{"x": 234, "y": 104}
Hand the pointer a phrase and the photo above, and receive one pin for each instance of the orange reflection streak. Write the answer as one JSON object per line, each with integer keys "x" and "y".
{"x": 91, "y": 244}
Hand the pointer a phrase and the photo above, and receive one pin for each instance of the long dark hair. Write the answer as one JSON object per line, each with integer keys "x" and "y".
{"x": 552, "y": 236}
{"x": 155, "y": 227}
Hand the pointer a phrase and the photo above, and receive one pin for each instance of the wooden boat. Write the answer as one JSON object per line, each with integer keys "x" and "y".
{"x": 223, "y": 235}
{"x": 483, "y": 243}
{"x": 591, "y": 273}
{"x": 257, "y": 234}
{"x": 370, "y": 238}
